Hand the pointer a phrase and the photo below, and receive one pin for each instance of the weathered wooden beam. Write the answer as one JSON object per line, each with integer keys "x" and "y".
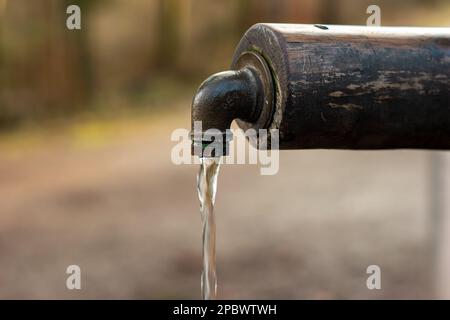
{"x": 356, "y": 87}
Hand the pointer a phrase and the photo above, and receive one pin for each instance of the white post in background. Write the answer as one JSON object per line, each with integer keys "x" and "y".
{"x": 440, "y": 192}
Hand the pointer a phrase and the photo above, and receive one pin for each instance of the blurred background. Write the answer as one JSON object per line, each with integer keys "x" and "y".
{"x": 86, "y": 176}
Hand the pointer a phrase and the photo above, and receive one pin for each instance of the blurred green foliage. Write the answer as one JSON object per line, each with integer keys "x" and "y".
{"x": 145, "y": 52}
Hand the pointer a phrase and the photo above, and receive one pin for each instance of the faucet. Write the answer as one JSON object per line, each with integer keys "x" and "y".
{"x": 332, "y": 87}
{"x": 245, "y": 93}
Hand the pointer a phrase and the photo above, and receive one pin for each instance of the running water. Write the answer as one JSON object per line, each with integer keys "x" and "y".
{"x": 206, "y": 188}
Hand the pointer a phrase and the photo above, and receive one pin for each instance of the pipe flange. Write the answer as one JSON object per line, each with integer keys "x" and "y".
{"x": 265, "y": 96}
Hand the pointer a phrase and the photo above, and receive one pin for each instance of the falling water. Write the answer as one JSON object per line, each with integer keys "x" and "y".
{"x": 206, "y": 188}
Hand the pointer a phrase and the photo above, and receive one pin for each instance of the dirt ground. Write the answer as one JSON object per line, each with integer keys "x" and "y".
{"x": 130, "y": 219}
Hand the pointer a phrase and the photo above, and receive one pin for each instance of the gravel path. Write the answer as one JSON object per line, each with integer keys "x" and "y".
{"x": 129, "y": 218}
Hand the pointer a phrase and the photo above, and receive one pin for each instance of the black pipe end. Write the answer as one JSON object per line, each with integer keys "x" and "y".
{"x": 245, "y": 94}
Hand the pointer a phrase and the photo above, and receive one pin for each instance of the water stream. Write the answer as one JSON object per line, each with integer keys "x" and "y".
{"x": 206, "y": 188}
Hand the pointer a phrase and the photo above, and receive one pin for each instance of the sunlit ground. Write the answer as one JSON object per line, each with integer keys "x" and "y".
{"x": 105, "y": 195}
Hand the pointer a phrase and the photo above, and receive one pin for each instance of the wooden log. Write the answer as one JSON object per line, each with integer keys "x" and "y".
{"x": 356, "y": 87}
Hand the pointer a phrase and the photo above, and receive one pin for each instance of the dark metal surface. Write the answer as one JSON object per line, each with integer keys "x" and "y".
{"x": 245, "y": 93}
{"x": 342, "y": 87}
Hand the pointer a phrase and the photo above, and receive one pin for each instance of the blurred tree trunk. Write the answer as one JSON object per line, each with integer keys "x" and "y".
{"x": 168, "y": 34}
{"x": 329, "y": 12}
{"x": 186, "y": 24}
{"x": 245, "y": 15}
{"x": 440, "y": 223}
{"x": 77, "y": 43}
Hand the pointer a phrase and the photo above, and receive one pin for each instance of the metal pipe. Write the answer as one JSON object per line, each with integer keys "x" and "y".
{"x": 340, "y": 87}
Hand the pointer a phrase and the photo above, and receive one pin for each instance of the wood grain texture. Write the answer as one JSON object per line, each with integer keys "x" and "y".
{"x": 357, "y": 87}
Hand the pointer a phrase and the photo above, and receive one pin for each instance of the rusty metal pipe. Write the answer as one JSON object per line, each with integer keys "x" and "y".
{"x": 345, "y": 87}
